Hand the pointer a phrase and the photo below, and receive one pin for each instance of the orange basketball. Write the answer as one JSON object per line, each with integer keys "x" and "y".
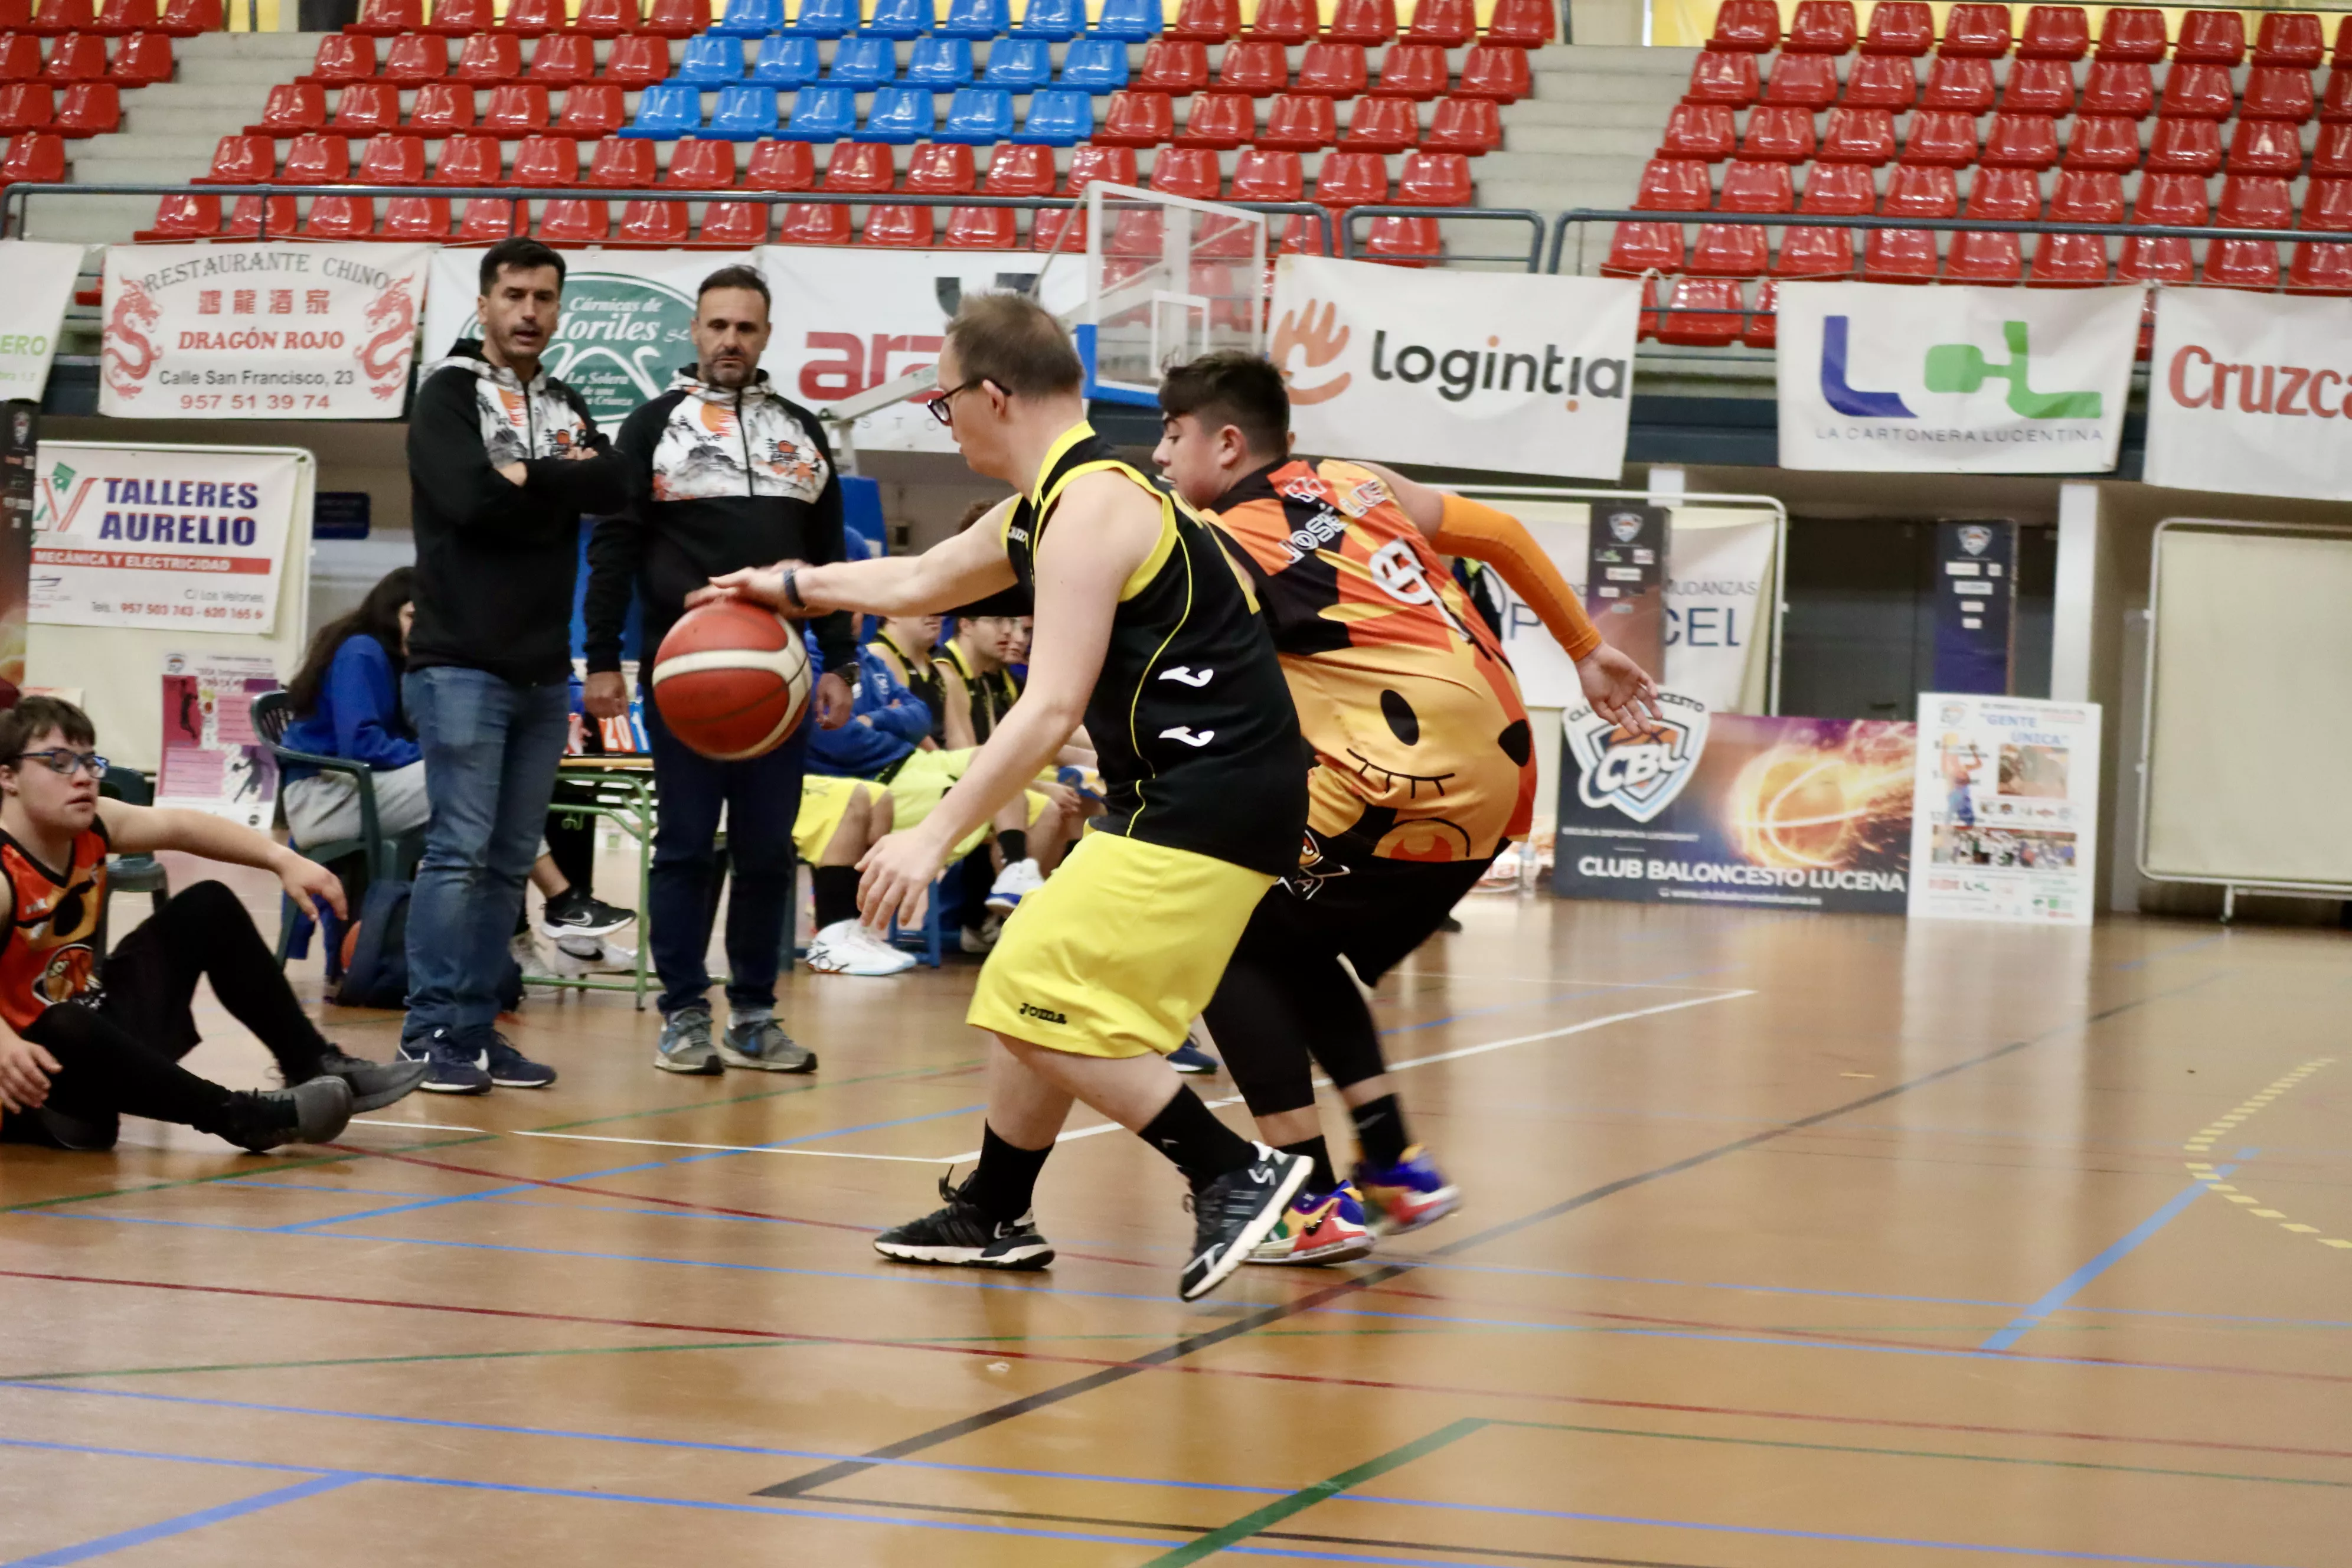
{"x": 732, "y": 680}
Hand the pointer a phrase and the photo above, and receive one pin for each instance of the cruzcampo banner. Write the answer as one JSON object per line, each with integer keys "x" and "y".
{"x": 1880, "y": 378}
{"x": 2252, "y": 393}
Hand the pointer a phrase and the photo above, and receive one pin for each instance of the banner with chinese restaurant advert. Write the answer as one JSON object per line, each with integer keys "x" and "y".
{"x": 2006, "y": 814}
{"x": 2252, "y": 393}
{"x": 1736, "y": 809}
{"x": 158, "y": 536}
{"x": 259, "y": 332}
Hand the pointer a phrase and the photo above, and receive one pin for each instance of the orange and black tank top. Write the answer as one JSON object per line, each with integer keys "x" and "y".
{"x": 51, "y": 954}
{"x": 1191, "y": 719}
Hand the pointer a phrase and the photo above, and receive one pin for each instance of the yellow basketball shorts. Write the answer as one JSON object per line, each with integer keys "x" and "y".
{"x": 924, "y": 780}
{"x": 824, "y": 801}
{"x": 1119, "y": 951}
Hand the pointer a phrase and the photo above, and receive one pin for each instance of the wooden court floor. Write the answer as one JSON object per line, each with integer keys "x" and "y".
{"x": 1791, "y": 1242}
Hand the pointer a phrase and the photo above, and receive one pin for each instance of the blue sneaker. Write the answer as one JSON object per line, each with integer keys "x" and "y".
{"x": 1406, "y": 1196}
{"x": 509, "y": 1068}
{"x": 1189, "y": 1058}
{"x": 450, "y": 1070}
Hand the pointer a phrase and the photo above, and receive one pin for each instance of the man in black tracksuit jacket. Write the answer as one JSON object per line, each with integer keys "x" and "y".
{"x": 723, "y": 472}
{"x": 503, "y": 459}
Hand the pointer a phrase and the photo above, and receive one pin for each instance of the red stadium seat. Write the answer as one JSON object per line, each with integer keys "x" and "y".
{"x": 2248, "y": 202}
{"x": 183, "y": 216}
{"x": 1698, "y": 130}
{"x": 458, "y": 19}
{"x": 1219, "y": 119}
{"x": 1448, "y": 24}
{"x": 1942, "y": 138}
{"x": 2134, "y": 33}
{"x": 1730, "y": 80}
{"x": 814, "y": 223}
{"x": 367, "y": 108}
{"x": 389, "y": 18}
{"x": 1963, "y": 82}
{"x": 56, "y": 18}
{"x": 2104, "y": 141}
{"x": 1439, "y": 180}
{"x": 422, "y": 218}
{"x": 186, "y": 18}
{"x": 1284, "y": 22}
{"x": 2185, "y": 147}
{"x": 2005, "y": 195}
{"x": 1808, "y": 81}
{"x": 77, "y": 57}
{"x": 2211, "y": 38}
{"x": 573, "y": 221}
{"x": 591, "y": 110}
{"x": 696, "y": 165}
{"x": 559, "y": 59}
{"x": 676, "y": 18}
{"x": 2055, "y": 33}
{"x": 1138, "y": 119}
{"x": 318, "y": 159}
{"x": 1470, "y": 125}
{"x": 241, "y": 161}
{"x": 983, "y": 228}
{"x": 392, "y": 161}
{"x": 1986, "y": 258}
{"x": 607, "y": 18}
{"x": 2078, "y": 260}
{"x": 1366, "y": 22}
{"x": 258, "y": 217}
{"x": 141, "y": 59}
{"x": 1764, "y": 322}
{"x": 941, "y": 169}
{"x": 624, "y": 163}
{"x": 2336, "y": 103}
{"x": 1742, "y": 251}
{"x": 2173, "y": 200}
{"x": 1254, "y": 67}
{"x": 2294, "y": 38}
{"x": 490, "y": 218}
{"x": 34, "y": 158}
{"x": 1351, "y": 180}
{"x": 1785, "y": 135}
{"x": 1112, "y": 165}
{"x": 292, "y": 108}
{"x": 1208, "y": 21}
{"x": 734, "y": 225}
{"x": 639, "y": 59}
{"x": 1307, "y": 124}
{"x": 442, "y": 109}
{"x": 1977, "y": 30}
{"x": 25, "y": 105}
{"x": 2332, "y": 158}
{"x": 546, "y": 161}
{"x": 900, "y": 228}
{"x": 1858, "y": 136}
{"x": 1822, "y": 27}
{"x": 2264, "y": 147}
{"x": 1750, "y": 186}
{"x": 2278, "y": 93}
{"x": 343, "y": 57}
{"x": 2021, "y": 141}
{"x": 1639, "y": 247}
{"x": 1332, "y": 71}
{"x": 2038, "y": 87}
{"x": 338, "y": 218}
{"x": 787, "y": 166}
{"x": 1522, "y": 23}
{"x": 20, "y": 58}
{"x": 2126, "y": 88}
{"x": 1882, "y": 81}
{"x": 1262, "y": 174}
{"x": 860, "y": 168}
{"x": 532, "y": 18}
{"x": 468, "y": 161}
{"x": 1900, "y": 27}
{"x": 1383, "y": 125}
{"x": 1702, "y": 312}
{"x": 1173, "y": 66}
{"x": 1909, "y": 255}
{"x": 1490, "y": 70}
{"x": 88, "y": 108}
{"x": 651, "y": 223}
{"x": 415, "y": 59}
{"x": 2324, "y": 268}
{"x": 1403, "y": 241}
{"x": 1831, "y": 190}
{"x": 1746, "y": 26}
{"x": 2197, "y": 92}
{"x": 489, "y": 59}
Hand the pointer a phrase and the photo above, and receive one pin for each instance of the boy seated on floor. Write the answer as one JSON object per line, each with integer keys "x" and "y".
{"x": 77, "y": 1053}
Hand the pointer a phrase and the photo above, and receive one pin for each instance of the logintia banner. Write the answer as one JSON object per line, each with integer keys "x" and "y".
{"x": 2252, "y": 393}
{"x": 259, "y": 332}
{"x": 1880, "y": 378}
{"x": 1517, "y": 373}
{"x": 159, "y": 536}
{"x": 36, "y": 282}
{"x": 2005, "y": 816}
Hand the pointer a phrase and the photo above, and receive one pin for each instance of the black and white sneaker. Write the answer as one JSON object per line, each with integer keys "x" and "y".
{"x": 1233, "y": 1214}
{"x": 576, "y": 913}
{"x": 961, "y": 1234}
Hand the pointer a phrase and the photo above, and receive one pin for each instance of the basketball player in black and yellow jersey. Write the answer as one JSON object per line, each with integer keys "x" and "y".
{"x": 1423, "y": 768}
{"x": 1147, "y": 634}
{"x": 86, "y": 1044}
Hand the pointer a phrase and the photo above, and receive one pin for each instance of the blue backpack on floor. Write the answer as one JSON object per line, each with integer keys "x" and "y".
{"x": 376, "y": 954}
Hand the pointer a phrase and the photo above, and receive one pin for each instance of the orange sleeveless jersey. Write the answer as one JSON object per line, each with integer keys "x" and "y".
{"x": 51, "y": 954}
{"x": 1421, "y": 742}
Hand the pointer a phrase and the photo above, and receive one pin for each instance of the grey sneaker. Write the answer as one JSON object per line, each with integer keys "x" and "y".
{"x": 758, "y": 1041}
{"x": 685, "y": 1043}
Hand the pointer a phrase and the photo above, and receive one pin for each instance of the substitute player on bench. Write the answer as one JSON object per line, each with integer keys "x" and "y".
{"x": 1424, "y": 766}
{"x": 1145, "y": 631}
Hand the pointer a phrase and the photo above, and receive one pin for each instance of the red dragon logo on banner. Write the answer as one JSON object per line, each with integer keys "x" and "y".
{"x": 129, "y": 356}
{"x": 383, "y": 357}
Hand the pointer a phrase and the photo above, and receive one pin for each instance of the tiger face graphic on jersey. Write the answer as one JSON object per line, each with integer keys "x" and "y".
{"x": 1421, "y": 743}
{"x": 51, "y": 954}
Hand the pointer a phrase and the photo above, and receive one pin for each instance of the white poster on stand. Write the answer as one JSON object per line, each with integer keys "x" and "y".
{"x": 36, "y": 283}
{"x": 214, "y": 759}
{"x": 2005, "y": 811}
{"x": 2251, "y": 392}
{"x": 259, "y": 332}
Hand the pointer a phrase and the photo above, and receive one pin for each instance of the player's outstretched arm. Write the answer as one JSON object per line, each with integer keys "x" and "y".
{"x": 142, "y": 830}
{"x": 970, "y": 565}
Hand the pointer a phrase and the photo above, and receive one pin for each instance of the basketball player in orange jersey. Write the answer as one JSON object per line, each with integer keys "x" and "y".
{"x": 75, "y": 1054}
{"x": 1146, "y": 632}
{"x": 1425, "y": 768}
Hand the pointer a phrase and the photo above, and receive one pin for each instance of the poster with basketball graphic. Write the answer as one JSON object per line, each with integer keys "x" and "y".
{"x": 214, "y": 759}
{"x": 259, "y": 332}
{"x": 2005, "y": 823}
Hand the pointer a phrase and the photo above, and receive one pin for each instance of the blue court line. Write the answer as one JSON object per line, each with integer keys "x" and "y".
{"x": 124, "y": 1540}
{"x": 2122, "y": 1247}
{"x": 2146, "y": 959}
{"x": 1635, "y": 1520}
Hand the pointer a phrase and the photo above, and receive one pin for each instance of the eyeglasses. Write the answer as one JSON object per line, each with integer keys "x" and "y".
{"x": 61, "y": 761}
{"x": 941, "y": 406}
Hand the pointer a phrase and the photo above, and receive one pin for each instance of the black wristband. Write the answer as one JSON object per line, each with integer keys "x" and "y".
{"x": 793, "y": 589}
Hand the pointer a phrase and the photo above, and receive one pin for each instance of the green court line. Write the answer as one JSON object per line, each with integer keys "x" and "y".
{"x": 808, "y": 1087}
{"x": 273, "y": 1169}
{"x": 1275, "y": 1512}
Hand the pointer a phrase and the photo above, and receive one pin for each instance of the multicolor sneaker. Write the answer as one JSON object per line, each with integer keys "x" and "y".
{"x": 1317, "y": 1227}
{"x": 1406, "y": 1196}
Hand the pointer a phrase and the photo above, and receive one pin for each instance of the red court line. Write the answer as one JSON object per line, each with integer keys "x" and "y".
{"x": 1001, "y": 1353}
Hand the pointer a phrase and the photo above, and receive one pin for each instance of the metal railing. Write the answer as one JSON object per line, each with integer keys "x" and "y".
{"x": 1533, "y": 259}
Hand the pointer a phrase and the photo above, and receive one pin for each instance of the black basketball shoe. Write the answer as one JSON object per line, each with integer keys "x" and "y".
{"x": 1233, "y": 1214}
{"x": 960, "y": 1234}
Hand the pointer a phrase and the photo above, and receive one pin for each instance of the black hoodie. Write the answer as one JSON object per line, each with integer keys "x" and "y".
{"x": 496, "y": 562}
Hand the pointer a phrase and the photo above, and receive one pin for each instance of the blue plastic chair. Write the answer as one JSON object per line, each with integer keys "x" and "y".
{"x": 1018, "y": 64}
{"x": 976, "y": 19}
{"x": 788, "y": 63}
{"x": 1058, "y": 117}
{"x": 711, "y": 61}
{"x": 1059, "y": 20}
{"x": 940, "y": 64}
{"x": 666, "y": 111}
{"x": 900, "y": 19}
{"x": 1135, "y": 21}
{"x": 980, "y": 116}
{"x": 900, "y": 116}
{"x": 1095, "y": 64}
{"x": 863, "y": 64}
{"x": 750, "y": 18}
{"x": 824, "y": 19}
{"x": 929, "y": 940}
{"x": 746, "y": 112}
{"x": 821, "y": 113}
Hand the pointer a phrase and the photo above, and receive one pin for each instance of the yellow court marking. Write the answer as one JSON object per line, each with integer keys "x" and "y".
{"x": 2203, "y": 1143}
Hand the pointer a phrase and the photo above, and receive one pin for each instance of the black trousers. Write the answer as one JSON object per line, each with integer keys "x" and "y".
{"x": 121, "y": 1056}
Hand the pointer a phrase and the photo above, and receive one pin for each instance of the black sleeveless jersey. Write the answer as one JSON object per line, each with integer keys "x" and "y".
{"x": 990, "y": 695}
{"x": 923, "y": 681}
{"x": 1190, "y": 717}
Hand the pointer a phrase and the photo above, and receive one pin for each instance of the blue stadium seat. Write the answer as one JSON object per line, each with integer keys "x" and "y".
{"x": 788, "y": 63}
{"x": 901, "y": 116}
{"x": 666, "y": 111}
{"x": 900, "y": 19}
{"x": 975, "y": 19}
{"x": 824, "y": 19}
{"x": 1095, "y": 64}
{"x": 1059, "y": 20}
{"x": 1136, "y": 21}
{"x": 864, "y": 64}
{"x": 824, "y": 113}
{"x": 711, "y": 61}
{"x": 746, "y": 112}
{"x": 750, "y": 18}
{"x": 941, "y": 64}
{"x": 1018, "y": 64}
{"x": 981, "y": 116}
{"x": 1058, "y": 117}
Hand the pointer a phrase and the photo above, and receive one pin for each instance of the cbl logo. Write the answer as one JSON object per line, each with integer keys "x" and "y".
{"x": 1952, "y": 368}
{"x": 1638, "y": 773}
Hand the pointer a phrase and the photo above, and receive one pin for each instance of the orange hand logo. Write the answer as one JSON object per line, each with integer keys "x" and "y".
{"x": 1300, "y": 329}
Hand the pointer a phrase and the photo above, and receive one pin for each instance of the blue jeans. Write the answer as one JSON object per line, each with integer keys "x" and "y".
{"x": 763, "y": 796}
{"x": 490, "y": 755}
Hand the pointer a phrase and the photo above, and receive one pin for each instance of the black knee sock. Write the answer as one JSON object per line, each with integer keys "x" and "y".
{"x": 1203, "y": 1147}
{"x": 1379, "y": 1130}
{"x": 1323, "y": 1178}
{"x": 1006, "y": 1182}
{"x": 836, "y": 894}
{"x": 1014, "y": 842}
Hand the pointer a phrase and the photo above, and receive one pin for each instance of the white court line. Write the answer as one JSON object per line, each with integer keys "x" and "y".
{"x": 727, "y": 1147}
{"x": 420, "y": 1126}
{"x": 1402, "y": 972}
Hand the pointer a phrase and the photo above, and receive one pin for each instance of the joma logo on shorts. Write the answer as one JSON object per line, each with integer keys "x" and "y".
{"x": 1031, "y": 1010}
